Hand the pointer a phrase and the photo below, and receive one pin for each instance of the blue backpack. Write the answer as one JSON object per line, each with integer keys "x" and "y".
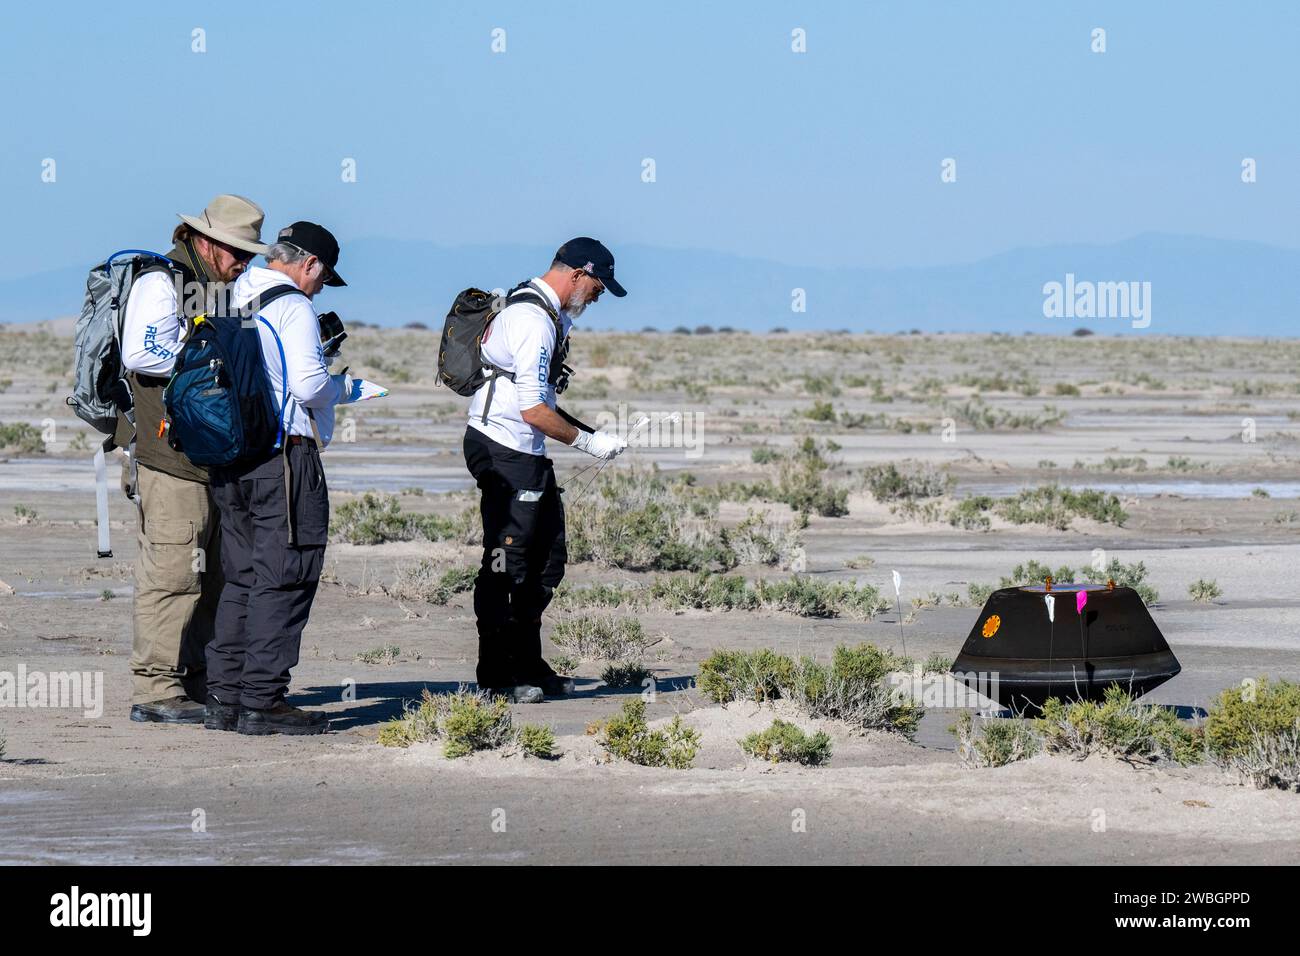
{"x": 220, "y": 409}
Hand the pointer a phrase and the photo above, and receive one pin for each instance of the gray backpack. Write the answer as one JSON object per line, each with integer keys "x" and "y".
{"x": 100, "y": 389}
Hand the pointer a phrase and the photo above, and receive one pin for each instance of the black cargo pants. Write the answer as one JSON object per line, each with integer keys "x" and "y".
{"x": 270, "y": 584}
{"x": 523, "y": 559}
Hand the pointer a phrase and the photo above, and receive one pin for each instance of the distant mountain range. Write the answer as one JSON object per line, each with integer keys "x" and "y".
{"x": 1197, "y": 286}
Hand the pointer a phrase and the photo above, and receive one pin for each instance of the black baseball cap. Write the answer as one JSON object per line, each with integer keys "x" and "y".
{"x": 317, "y": 240}
{"x": 593, "y": 258}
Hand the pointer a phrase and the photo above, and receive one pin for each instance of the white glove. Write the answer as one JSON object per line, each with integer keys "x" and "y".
{"x": 347, "y": 386}
{"x": 599, "y": 444}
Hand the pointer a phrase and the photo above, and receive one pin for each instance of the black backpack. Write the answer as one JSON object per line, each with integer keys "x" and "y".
{"x": 461, "y": 365}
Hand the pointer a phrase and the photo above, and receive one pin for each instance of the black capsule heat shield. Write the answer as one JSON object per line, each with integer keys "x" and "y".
{"x": 1112, "y": 641}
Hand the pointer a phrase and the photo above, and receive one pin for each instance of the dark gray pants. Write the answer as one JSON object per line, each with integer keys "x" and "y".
{"x": 269, "y": 584}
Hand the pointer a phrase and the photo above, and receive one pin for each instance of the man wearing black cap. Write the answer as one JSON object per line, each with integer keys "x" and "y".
{"x": 275, "y": 511}
{"x": 510, "y": 418}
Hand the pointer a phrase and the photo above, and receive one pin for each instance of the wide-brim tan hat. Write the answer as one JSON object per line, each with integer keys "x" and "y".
{"x": 234, "y": 220}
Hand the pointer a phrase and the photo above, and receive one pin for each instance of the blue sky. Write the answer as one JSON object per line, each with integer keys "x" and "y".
{"x": 830, "y": 157}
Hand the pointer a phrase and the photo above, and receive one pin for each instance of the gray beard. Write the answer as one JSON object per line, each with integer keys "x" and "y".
{"x": 575, "y": 306}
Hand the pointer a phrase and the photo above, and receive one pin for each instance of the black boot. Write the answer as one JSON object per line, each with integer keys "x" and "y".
{"x": 281, "y": 719}
{"x": 516, "y": 693}
{"x": 173, "y": 710}
{"x": 221, "y": 716}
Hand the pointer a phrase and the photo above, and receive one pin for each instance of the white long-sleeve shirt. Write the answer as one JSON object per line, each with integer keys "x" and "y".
{"x": 295, "y": 322}
{"x": 152, "y": 334}
{"x": 521, "y": 339}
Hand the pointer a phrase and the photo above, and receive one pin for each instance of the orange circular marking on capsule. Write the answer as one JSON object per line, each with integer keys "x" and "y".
{"x": 991, "y": 625}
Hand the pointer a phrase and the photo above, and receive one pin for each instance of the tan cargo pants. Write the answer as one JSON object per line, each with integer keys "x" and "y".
{"x": 178, "y": 583}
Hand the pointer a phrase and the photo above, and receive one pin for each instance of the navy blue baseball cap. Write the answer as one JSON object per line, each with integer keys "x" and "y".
{"x": 592, "y": 258}
{"x": 319, "y": 242}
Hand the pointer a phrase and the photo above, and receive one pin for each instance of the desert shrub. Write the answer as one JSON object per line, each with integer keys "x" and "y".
{"x": 603, "y": 638}
{"x": 1035, "y": 572}
{"x": 418, "y": 724}
{"x": 784, "y": 741}
{"x": 641, "y": 521}
{"x": 471, "y": 721}
{"x": 1123, "y": 463}
{"x": 995, "y": 743}
{"x": 745, "y": 675}
{"x": 1257, "y": 733}
{"x": 1204, "y": 591}
{"x": 423, "y": 582}
{"x": 802, "y": 486}
{"x": 981, "y": 416}
{"x": 704, "y": 591}
{"x": 969, "y": 513}
{"x": 536, "y": 740}
{"x": 1118, "y": 726}
{"x": 764, "y": 455}
{"x": 888, "y": 483}
{"x": 977, "y": 594}
{"x": 1065, "y": 388}
{"x": 1126, "y": 576}
{"x": 375, "y": 519}
{"x": 756, "y": 540}
{"x": 625, "y": 674}
{"x": 820, "y": 412}
{"x": 564, "y": 664}
{"x": 465, "y": 721}
{"x": 387, "y": 654}
{"x": 569, "y": 597}
{"x": 851, "y": 689}
{"x": 21, "y": 438}
{"x": 1057, "y": 506}
{"x": 628, "y": 737}
{"x": 810, "y": 597}
{"x": 937, "y": 663}
{"x": 820, "y": 385}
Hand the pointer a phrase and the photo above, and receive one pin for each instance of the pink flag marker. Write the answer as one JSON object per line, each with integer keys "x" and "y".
{"x": 1080, "y": 599}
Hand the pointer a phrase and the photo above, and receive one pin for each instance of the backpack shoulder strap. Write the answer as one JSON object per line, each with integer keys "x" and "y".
{"x": 258, "y": 303}
{"x": 530, "y": 293}
{"x": 254, "y": 308}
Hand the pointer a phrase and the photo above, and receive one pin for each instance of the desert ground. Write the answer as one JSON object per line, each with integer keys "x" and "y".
{"x": 1197, "y": 439}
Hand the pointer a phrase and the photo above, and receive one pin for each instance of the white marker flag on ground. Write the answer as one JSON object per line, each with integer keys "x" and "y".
{"x": 1050, "y": 601}
{"x": 898, "y": 583}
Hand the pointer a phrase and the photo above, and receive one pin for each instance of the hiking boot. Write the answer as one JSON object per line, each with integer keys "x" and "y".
{"x": 518, "y": 694}
{"x": 173, "y": 710}
{"x": 556, "y": 686}
{"x": 281, "y": 719}
{"x": 221, "y": 716}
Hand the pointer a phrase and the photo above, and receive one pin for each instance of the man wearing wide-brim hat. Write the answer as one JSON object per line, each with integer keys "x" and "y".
{"x": 178, "y": 577}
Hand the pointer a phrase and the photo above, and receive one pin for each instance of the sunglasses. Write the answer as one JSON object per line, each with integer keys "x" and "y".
{"x": 239, "y": 255}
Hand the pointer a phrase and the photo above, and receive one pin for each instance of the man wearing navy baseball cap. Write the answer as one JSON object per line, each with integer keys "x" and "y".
{"x": 511, "y": 415}
{"x": 589, "y": 256}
